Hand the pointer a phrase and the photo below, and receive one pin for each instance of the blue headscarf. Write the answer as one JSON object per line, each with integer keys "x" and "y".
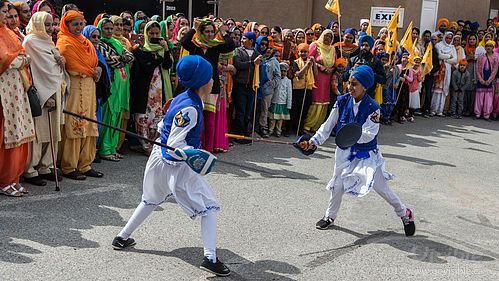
{"x": 330, "y": 25}
{"x": 251, "y": 36}
{"x": 263, "y": 72}
{"x": 365, "y": 75}
{"x": 87, "y": 32}
{"x": 351, "y": 31}
{"x": 194, "y": 71}
{"x": 136, "y": 26}
{"x": 383, "y": 55}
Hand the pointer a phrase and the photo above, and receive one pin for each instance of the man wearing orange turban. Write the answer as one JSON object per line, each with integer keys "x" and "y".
{"x": 442, "y": 24}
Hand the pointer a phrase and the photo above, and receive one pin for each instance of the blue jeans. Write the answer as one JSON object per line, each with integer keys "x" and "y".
{"x": 243, "y": 99}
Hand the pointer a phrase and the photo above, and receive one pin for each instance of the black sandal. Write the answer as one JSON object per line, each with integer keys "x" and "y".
{"x": 75, "y": 175}
{"x": 93, "y": 173}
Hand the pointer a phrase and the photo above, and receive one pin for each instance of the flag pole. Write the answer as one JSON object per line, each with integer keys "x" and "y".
{"x": 341, "y": 41}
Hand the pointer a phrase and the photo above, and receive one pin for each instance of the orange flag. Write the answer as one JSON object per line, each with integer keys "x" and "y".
{"x": 369, "y": 29}
{"x": 394, "y": 21}
{"x": 428, "y": 59}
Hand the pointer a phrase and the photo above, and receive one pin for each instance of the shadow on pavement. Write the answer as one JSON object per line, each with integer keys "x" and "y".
{"x": 241, "y": 268}
{"x": 419, "y": 247}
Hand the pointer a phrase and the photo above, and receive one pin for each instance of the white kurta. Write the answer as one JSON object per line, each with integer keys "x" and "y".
{"x": 164, "y": 178}
{"x": 356, "y": 176}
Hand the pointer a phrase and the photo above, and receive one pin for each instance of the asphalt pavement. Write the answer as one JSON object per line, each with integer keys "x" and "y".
{"x": 447, "y": 172}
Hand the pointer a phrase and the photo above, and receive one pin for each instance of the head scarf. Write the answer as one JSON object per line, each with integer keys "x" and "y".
{"x": 340, "y": 61}
{"x": 284, "y": 32}
{"x": 314, "y": 27}
{"x": 99, "y": 17}
{"x": 362, "y": 21}
{"x": 148, "y": 46}
{"x": 111, "y": 41}
{"x": 443, "y": 47}
{"x": 464, "y": 62}
{"x": 20, "y": 11}
{"x": 37, "y": 25}
{"x": 251, "y": 36}
{"x": 201, "y": 41}
{"x": 136, "y": 15}
{"x": 136, "y": 26}
{"x": 156, "y": 18}
{"x": 383, "y": 55}
{"x": 298, "y": 31}
{"x": 262, "y": 26}
{"x": 482, "y": 43}
{"x": 259, "y": 42}
{"x": 284, "y": 66}
{"x": 381, "y": 31}
{"x": 443, "y": 21}
{"x": 365, "y": 75}
{"x": 351, "y": 31}
{"x": 38, "y": 5}
{"x": 490, "y": 42}
{"x": 250, "y": 27}
{"x": 164, "y": 29}
{"x": 44, "y": 67}
{"x": 10, "y": 47}
{"x": 330, "y": 25}
{"x": 122, "y": 39}
{"x": 169, "y": 18}
{"x": 470, "y": 50}
{"x": 176, "y": 31}
{"x": 194, "y": 71}
{"x": 453, "y": 24}
{"x": 368, "y": 39}
{"x": 79, "y": 52}
{"x": 327, "y": 52}
{"x": 303, "y": 46}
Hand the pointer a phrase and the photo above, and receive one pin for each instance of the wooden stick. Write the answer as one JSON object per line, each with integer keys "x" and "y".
{"x": 52, "y": 147}
{"x": 339, "y": 26}
{"x": 257, "y": 139}
{"x": 302, "y": 106}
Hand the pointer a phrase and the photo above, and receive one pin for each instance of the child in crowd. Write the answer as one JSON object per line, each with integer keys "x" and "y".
{"x": 274, "y": 75}
{"x": 389, "y": 88}
{"x": 460, "y": 82}
{"x": 402, "y": 102}
{"x": 337, "y": 82}
{"x": 281, "y": 102}
{"x": 417, "y": 77}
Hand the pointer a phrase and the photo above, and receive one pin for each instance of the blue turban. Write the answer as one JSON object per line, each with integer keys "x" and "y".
{"x": 383, "y": 55}
{"x": 351, "y": 31}
{"x": 365, "y": 75}
{"x": 368, "y": 39}
{"x": 330, "y": 25}
{"x": 405, "y": 53}
{"x": 362, "y": 33}
{"x": 194, "y": 71}
{"x": 251, "y": 36}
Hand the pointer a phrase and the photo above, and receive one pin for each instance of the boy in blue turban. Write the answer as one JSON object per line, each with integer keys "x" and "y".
{"x": 361, "y": 167}
{"x": 167, "y": 176}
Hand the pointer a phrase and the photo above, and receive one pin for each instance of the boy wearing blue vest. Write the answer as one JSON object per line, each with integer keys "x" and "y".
{"x": 167, "y": 176}
{"x": 361, "y": 167}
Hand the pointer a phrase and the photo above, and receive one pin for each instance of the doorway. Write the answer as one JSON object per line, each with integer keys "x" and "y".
{"x": 429, "y": 13}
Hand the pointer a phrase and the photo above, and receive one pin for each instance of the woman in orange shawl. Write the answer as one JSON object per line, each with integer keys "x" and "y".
{"x": 78, "y": 147}
{"x": 16, "y": 122}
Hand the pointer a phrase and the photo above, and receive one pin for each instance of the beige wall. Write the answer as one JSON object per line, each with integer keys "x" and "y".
{"x": 302, "y": 13}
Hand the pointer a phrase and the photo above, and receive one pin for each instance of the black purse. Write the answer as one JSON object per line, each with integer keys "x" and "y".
{"x": 34, "y": 102}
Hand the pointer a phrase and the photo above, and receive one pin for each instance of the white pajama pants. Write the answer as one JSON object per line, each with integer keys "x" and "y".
{"x": 438, "y": 103}
{"x": 164, "y": 179}
{"x": 381, "y": 187}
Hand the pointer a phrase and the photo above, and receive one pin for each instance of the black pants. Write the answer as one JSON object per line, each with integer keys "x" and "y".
{"x": 427, "y": 88}
{"x": 243, "y": 99}
{"x": 296, "y": 104}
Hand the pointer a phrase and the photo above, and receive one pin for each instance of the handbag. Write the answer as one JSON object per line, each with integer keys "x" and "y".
{"x": 34, "y": 101}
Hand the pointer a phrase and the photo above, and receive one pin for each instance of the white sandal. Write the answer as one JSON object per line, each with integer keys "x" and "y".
{"x": 20, "y": 188}
{"x": 14, "y": 193}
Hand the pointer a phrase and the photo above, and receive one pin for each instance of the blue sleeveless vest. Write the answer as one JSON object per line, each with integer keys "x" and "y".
{"x": 367, "y": 107}
{"x": 193, "y": 138}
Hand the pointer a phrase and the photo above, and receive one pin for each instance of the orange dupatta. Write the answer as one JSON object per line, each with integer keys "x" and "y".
{"x": 10, "y": 47}
{"x": 79, "y": 52}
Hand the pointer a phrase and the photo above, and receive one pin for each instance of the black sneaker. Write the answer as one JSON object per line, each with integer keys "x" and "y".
{"x": 324, "y": 223}
{"x": 218, "y": 268}
{"x": 242, "y": 141}
{"x": 408, "y": 221}
{"x": 120, "y": 244}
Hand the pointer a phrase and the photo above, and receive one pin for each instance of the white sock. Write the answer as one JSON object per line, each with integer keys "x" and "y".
{"x": 209, "y": 230}
{"x": 140, "y": 214}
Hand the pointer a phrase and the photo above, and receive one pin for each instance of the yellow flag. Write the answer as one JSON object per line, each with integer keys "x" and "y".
{"x": 407, "y": 40}
{"x": 369, "y": 29}
{"x": 256, "y": 78}
{"x": 394, "y": 21}
{"x": 333, "y": 6}
{"x": 391, "y": 44}
{"x": 428, "y": 59}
